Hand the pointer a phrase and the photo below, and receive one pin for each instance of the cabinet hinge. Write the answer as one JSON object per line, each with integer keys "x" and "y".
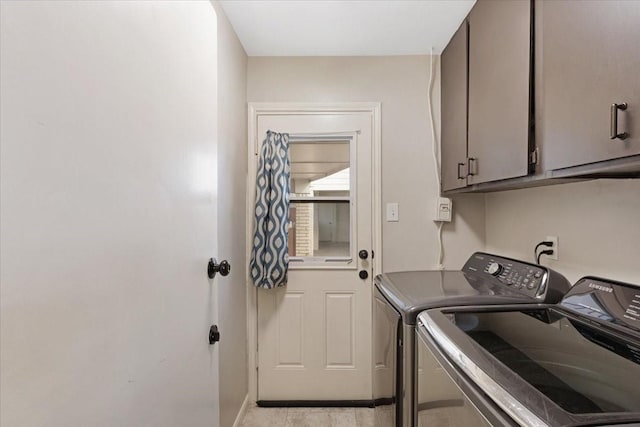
{"x": 533, "y": 156}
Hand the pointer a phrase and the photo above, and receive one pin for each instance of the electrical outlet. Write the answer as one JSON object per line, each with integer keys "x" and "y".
{"x": 555, "y": 247}
{"x": 443, "y": 209}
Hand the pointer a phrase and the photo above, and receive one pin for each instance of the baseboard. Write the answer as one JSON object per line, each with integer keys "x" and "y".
{"x": 242, "y": 412}
{"x": 315, "y": 403}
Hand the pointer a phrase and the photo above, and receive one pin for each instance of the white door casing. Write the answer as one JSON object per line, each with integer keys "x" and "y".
{"x": 313, "y": 337}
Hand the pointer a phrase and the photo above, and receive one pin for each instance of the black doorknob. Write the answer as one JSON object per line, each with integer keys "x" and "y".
{"x": 214, "y": 334}
{"x": 363, "y": 274}
{"x": 213, "y": 267}
{"x": 363, "y": 254}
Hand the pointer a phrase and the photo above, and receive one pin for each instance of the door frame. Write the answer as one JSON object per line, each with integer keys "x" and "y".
{"x": 257, "y": 109}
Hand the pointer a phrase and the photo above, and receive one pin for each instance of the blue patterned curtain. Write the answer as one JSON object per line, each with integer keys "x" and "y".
{"x": 269, "y": 256}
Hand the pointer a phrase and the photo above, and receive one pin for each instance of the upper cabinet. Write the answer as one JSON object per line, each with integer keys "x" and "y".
{"x": 454, "y": 111}
{"x": 553, "y": 91}
{"x": 499, "y": 140}
{"x": 486, "y": 96}
{"x": 589, "y": 68}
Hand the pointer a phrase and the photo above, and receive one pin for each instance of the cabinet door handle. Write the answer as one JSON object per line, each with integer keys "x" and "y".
{"x": 614, "y": 121}
{"x": 472, "y": 166}
{"x": 460, "y": 171}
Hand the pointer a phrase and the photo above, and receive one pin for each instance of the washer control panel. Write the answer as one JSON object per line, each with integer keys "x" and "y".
{"x": 524, "y": 277}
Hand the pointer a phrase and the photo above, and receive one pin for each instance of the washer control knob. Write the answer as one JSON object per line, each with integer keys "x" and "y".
{"x": 494, "y": 269}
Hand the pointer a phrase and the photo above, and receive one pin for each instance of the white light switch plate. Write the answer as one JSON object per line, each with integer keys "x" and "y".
{"x": 392, "y": 212}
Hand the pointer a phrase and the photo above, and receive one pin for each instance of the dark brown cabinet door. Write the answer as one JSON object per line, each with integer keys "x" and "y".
{"x": 499, "y": 89}
{"x": 454, "y": 111}
{"x": 590, "y": 60}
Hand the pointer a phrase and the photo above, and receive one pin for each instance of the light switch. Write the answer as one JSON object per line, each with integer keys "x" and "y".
{"x": 392, "y": 212}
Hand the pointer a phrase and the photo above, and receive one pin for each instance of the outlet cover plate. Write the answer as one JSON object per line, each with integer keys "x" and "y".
{"x": 555, "y": 247}
{"x": 444, "y": 209}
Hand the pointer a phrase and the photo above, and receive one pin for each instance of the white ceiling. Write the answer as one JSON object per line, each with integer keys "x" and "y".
{"x": 345, "y": 27}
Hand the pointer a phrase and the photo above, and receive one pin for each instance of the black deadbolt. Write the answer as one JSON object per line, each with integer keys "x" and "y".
{"x": 363, "y": 274}
{"x": 214, "y": 334}
{"x": 363, "y": 254}
{"x": 213, "y": 267}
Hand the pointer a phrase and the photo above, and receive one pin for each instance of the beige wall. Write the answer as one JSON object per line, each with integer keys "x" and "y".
{"x": 232, "y": 160}
{"x": 597, "y": 223}
{"x": 400, "y": 83}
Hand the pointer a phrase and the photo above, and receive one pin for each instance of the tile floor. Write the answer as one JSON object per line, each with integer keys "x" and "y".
{"x": 308, "y": 417}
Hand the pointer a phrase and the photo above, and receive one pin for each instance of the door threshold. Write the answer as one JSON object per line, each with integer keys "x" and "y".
{"x": 315, "y": 403}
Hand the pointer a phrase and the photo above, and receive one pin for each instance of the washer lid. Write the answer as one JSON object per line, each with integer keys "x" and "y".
{"x": 410, "y": 292}
{"x": 542, "y": 366}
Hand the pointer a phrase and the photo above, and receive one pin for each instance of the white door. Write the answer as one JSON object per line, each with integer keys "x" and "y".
{"x": 108, "y": 214}
{"x": 314, "y": 335}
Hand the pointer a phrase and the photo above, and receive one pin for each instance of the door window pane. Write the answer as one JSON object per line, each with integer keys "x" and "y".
{"x": 320, "y": 211}
{"x": 320, "y": 229}
{"x": 319, "y": 166}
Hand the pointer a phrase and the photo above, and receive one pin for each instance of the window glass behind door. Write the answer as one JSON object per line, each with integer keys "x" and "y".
{"x": 322, "y": 221}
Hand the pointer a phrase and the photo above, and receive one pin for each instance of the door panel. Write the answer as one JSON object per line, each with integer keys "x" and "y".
{"x": 499, "y": 59}
{"x": 339, "y": 329}
{"x": 314, "y": 339}
{"x": 454, "y": 111}
{"x": 290, "y": 329}
{"x": 595, "y": 45}
{"x": 108, "y": 214}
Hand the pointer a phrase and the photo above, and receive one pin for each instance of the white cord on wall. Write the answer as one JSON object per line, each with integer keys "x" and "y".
{"x": 440, "y": 265}
{"x": 436, "y": 161}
